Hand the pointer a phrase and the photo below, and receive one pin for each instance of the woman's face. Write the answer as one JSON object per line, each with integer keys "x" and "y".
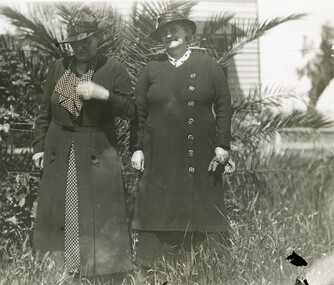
{"x": 174, "y": 36}
{"x": 85, "y": 49}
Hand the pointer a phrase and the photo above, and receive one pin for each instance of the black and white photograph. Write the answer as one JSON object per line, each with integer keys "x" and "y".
{"x": 167, "y": 142}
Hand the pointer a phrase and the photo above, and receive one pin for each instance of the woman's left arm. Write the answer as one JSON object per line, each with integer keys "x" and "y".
{"x": 222, "y": 107}
{"x": 121, "y": 98}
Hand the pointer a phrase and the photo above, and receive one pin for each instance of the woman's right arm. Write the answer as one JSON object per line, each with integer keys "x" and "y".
{"x": 44, "y": 114}
{"x": 138, "y": 124}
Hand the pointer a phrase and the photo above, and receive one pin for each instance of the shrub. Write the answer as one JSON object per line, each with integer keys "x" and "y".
{"x": 18, "y": 203}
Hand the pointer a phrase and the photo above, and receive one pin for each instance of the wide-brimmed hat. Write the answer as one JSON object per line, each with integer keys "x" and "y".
{"x": 171, "y": 17}
{"x": 83, "y": 25}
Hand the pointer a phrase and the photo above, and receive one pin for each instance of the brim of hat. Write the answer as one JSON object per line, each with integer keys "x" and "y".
{"x": 83, "y": 36}
{"x": 156, "y": 36}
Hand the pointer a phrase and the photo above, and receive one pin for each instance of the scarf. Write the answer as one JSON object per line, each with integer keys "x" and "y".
{"x": 183, "y": 59}
{"x": 66, "y": 87}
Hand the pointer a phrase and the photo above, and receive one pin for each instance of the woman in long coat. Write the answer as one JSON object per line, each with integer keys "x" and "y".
{"x": 81, "y": 214}
{"x": 182, "y": 143}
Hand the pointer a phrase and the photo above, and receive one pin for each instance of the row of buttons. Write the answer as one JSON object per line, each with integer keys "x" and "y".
{"x": 190, "y": 122}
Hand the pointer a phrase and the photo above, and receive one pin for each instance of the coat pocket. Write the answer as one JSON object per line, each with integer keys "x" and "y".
{"x": 95, "y": 159}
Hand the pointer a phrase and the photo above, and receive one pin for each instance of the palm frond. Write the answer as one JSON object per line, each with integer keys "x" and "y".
{"x": 277, "y": 163}
{"x": 260, "y": 101}
{"x": 39, "y": 30}
{"x": 272, "y": 124}
{"x": 246, "y": 31}
{"x": 260, "y": 98}
{"x": 66, "y": 12}
{"x": 216, "y": 23}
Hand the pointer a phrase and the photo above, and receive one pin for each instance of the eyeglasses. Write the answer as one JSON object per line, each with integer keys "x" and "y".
{"x": 172, "y": 30}
{"x": 83, "y": 43}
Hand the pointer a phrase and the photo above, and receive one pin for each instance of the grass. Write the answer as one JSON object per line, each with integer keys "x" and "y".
{"x": 271, "y": 213}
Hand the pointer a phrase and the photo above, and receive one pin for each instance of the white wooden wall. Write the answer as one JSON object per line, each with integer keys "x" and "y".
{"x": 246, "y": 68}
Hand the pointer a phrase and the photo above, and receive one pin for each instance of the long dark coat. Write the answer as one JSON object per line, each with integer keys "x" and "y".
{"x": 104, "y": 236}
{"x": 178, "y": 133}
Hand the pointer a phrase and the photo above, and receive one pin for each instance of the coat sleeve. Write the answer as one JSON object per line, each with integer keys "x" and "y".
{"x": 121, "y": 99}
{"x": 141, "y": 90}
{"x": 222, "y": 107}
{"x": 44, "y": 114}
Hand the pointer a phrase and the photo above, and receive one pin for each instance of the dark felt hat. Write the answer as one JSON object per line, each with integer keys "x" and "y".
{"x": 171, "y": 17}
{"x": 83, "y": 25}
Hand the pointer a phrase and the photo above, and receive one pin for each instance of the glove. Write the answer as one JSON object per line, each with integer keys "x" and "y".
{"x": 38, "y": 159}
{"x": 137, "y": 160}
{"x": 222, "y": 161}
{"x": 221, "y": 158}
{"x": 91, "y": 90}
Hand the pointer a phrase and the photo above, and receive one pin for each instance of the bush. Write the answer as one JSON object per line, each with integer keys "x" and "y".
{"x": 18, "y": 209}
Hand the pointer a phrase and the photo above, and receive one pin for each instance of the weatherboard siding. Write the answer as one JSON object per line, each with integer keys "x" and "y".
{"x": 245, "y": 70}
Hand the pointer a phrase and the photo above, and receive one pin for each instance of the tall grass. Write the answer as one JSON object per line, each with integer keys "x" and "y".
{"x": 272, "y": 211}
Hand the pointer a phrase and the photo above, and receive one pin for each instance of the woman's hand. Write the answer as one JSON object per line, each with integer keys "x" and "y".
{"x": 137, "y": 160}
{"x": 90, "y": 90}
{"x": 38, "y": 159}
{"x": 221, "y": 158}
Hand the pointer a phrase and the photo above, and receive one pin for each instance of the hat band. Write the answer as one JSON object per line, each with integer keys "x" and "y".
{"x": 81, "y": 30}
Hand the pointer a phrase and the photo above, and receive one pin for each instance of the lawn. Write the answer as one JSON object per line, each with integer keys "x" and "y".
{"x": 286, "y": 205}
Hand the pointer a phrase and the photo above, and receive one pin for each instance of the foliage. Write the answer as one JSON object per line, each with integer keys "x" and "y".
{"x": 18, "y": 209}
{"x": 271, "y": 213}
{"x": 18, "y": 102}
{"x": 17, "y": 91}
{"x": 38, "y": 28}
{"x": 26, "y": 268}
{"x": 271, "y": 205}
{"x": 262, "y": 115}
{"x": 320, "y": 67}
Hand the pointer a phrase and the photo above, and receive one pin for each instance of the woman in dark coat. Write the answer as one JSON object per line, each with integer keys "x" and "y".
{"x": 81, "y": 215}
{"x": 181, "y": 146}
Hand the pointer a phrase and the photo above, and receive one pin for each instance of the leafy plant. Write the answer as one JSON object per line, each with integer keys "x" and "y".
{"x": 18, "y": 209}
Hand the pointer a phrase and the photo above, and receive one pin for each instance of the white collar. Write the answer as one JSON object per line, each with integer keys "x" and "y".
{"x": 180, "y": 61}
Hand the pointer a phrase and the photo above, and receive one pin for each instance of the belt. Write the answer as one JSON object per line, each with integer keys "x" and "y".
{"x": 79, "y": 129}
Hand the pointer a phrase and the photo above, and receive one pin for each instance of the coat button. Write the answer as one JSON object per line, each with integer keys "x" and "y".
{"x": 191, "y": 169}
{"x": 190, "y": 152}
{"x": 191, "y": 137}
{"x": 192, "y": 75}
{"x": 190, "y": 121}
{"x": 191, "y": 103}
{"x": 191, "y": 88}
